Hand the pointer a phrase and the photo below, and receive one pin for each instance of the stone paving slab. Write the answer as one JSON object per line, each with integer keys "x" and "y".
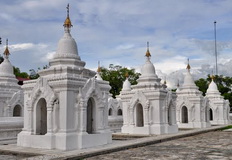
{"x": 105, "y": 149}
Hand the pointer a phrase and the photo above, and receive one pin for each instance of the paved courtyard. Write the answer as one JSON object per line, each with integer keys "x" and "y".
{"x": 211, "y": 145}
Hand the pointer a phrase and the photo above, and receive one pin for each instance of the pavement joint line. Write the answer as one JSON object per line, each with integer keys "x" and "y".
{"x": 105, "y": 149}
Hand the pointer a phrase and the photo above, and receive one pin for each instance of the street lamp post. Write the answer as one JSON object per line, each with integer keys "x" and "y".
{"x": 215, "y": 43}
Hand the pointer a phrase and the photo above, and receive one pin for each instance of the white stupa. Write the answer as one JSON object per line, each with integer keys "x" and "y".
{"x": 115, "y": 114}
{"x": 67, "y": 107}
{"x": 148, "y": 108}
{"x": 11, "y": 96}
{"x": 11, "y": 102}
{"x": 191, "y": 109}
{"x": 218, "y": 107}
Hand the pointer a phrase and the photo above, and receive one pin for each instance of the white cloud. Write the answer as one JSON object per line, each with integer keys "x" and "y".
{"x": 170, "y": 65}
{"x": 48, "y": 56}
{"x": 125, "y": 46}
{"x": 22, "y": 46}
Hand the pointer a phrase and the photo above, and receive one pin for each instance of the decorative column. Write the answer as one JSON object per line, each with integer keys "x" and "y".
{"x": 49, "y": 119}
{"x": 9, "y": 111}
{"x": 166, "y": 115}
{"x": 132, "y": 121}
{"x": 173, "y": 118}
{"x": 146, "y": 114}
{"x": 82, "y": 110}
{"x": 30, "y": 119}
{"x": 56, "y": 116}
{"x": 100, "y": 118}
{"x": 178, "y": 115}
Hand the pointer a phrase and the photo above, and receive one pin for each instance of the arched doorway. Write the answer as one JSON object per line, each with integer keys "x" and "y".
{"x": 210, "y": 114}
{"x": 184, "y": 114}
{"x": 110, "y": 112}
{"x": 90, "y": 116}
{"x": 119, "y": 112}
{"x": 17, "y": 112}
{"x": 41, "y": 117}
{"x": 139, "y": 115}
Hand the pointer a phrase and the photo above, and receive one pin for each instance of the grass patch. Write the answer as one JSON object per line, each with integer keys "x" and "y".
{"x": 227, "y": 127}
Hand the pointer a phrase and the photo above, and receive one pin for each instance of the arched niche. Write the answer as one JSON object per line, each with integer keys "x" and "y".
{"x": 184, "y": 114}
{"x": 210, "y": 114}
{"x": 119, "y": 112}
{"x": 170, "y": 115}
{"x": 110, "y": 112}
{"x": 91, "y": 112}
{"x": 41, "y": 117}
{"x": 17, "y": 111}
{"x": 139, "y": 122}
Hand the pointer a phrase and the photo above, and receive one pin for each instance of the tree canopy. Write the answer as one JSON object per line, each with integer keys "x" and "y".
{"x": 115, "y": 74}
{"x": 18, "y": 73}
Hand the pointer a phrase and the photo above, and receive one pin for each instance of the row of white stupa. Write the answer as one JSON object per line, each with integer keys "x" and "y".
{"x": 67, "y": 107}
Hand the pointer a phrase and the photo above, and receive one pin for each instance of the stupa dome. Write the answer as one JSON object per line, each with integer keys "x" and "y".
{"x": 148, "y": 69}
{"x": 212, "y": 87}
{"x": 6, "y": 69}
{"x": 126, "y": 85}
{"x": 188, "y": 80}
{"x": 67, "y": 47}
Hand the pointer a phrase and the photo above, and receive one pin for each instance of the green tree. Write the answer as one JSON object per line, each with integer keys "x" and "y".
{"x": 116, "y": 76}
{"x": 18, "y": 73}
{"x": 34, "y": 74}
{"x": 203, "y": 85}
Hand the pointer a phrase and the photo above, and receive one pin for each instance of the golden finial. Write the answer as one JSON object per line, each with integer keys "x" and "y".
{"x": 99, "y": 68}
{"x": 188, "y": 66}
{"x": 148, "y": 54}
{"x": 6, "y": 52}
{"x": 126, "y": 75}
{"x": 212, "y": 77}
{"x": 67, "y": 22}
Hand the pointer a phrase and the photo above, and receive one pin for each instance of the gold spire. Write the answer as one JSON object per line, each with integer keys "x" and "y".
{"x": 6, "y": 52}
{"x": 188, "y": 66}
{"x": 126, "y": 75}
{"x": 212, "y": 77}
{"x": 99, "y": 68}
{"x": 148, "y": 54}
{"x": 67, "y": 22}
{"x": 165, "y": 82}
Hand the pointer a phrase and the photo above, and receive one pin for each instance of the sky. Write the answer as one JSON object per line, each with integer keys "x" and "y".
{"x": 116, "y": 32}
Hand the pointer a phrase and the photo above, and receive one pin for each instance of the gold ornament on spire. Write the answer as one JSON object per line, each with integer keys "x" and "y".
{"x": 67, "y": 22}
{"x": 126, "y": 75}
{"x": 99, "y": 68}
{"x": 212, "y": 77}
{"x": 188, "y": 66}
{"x": 148, "y": 54}
{"x": 6, "y": 52}
{"x": 165, "y": 82}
